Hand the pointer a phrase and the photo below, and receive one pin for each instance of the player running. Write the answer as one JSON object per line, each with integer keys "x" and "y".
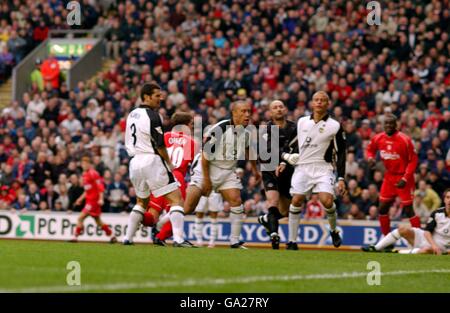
{"x": 181, "y": 148}
{"x": 93, "y": 194}
{"x": 277, "y": 183}
{"x": 434, "y": 239}
{"x": 400, "y": 160}
{"x": 321, "y": 140}
{"x": 225, "y": 144}
{"x": 150, "y": 166}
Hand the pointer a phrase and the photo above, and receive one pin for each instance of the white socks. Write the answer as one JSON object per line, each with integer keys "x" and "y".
{"x": 332, "y": 216}
{"x": 390, "y": 239}
{"x": 162, "y": 220}
{"x": 198, "y": 230}
{"x": 134, "y": 220}
{"x": 236, "y": 219}
{"x": 176, "y": 215}
{"x": 214, "y": 230}
{"x": 294, "y": 220}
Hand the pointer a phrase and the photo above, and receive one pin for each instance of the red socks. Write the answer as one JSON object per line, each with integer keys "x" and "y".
{"x": 149, "y": 219}
{"x": 415, "y": 221}
{"x": 165, "y": 232}
{"x": 78, "y": 231}
{"x": 107, "y": 230}
{"x": 385, "y": 224}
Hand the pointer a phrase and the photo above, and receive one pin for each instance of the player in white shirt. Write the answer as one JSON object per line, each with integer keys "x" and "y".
{"x": 150, "y": 167}
{"x": 225, "y": 144}
{"x": 321, "y": 143}
{"x": 434, "y": 239}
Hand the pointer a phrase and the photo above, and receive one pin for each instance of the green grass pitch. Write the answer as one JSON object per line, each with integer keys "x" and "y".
{"x": 36, "y": 266}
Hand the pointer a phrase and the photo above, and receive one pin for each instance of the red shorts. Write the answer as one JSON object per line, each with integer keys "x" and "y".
{"x": 93, "y": 209}
{"x": 389, "y": 191}
{"x": 160, "y": 203}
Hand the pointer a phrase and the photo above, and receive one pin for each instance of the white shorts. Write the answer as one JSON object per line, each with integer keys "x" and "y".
{"x": 150, "y": 174}
{"x": 213, "y": 203}
{"x": 314, "y": 178}
{"x": 221, "y": 179}
{"x": 421, "y": 242}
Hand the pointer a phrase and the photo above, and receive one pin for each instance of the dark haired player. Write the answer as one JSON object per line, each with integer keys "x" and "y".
{"x": 150, "y": 167}
{"x": 400, "y": 160}
{"x": 181, "y": 148}
{"x": 434, "y": 239}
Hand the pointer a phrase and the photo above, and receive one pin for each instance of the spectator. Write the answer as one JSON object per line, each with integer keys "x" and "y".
{"x": 373, "y": 213}
{"x": 17, "y": 46}
{"x": 116, "y": 193}
{"x": 314, "y": 208}
{"x": 354, "y": 213}
{"x": 22, "y": 204}
{"x": 33, "y": 196}
{"x": 74, "y": 192}
{"x": 430, "y": 198}
{"x": 7, "y": 197}
{"x": 49, "y": 195}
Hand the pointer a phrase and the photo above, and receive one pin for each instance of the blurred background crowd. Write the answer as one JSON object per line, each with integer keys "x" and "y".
{"x": 206, "y": 54}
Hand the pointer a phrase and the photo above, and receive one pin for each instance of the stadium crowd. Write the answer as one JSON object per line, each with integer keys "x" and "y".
{"x": 206, "y": 54}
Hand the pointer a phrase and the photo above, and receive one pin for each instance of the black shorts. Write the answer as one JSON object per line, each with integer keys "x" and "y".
{"x": 282, "y": 184}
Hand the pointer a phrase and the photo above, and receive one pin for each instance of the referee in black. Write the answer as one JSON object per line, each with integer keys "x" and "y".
{"x": 277, "y": 183}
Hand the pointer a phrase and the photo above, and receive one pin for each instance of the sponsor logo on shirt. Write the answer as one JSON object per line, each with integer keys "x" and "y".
{"x": 385, "y": 155}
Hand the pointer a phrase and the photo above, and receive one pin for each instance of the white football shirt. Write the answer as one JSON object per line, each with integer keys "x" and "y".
{"x": 143, "y": 133}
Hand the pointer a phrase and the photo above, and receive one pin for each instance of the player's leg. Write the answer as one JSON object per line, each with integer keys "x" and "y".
{"x": 273, "y": 215}
{"x": 327, "y": 200}
{"x": 214, "y": 229}
{"x": 215, "y": 204}
{"x": 176, "y": 216}
{"x": 301, "y": 184}
{"x": 272, "y": 195}
{"x": 139, "y": 181}
{"x": 406, "y": 194}
{"x": 79, "y": 228}
{"x": 387, "y": 197}
{"x": 198, "y": 228}
{"x": 233, "y": 197}
{"x": 193, "y": 195}
{"x": 105, "y": 228}
{"x": 198, "y": 224}
{"x": 391, "y": 238}
{"x": 295, "y": 209}
{"x": 135, "y": 218}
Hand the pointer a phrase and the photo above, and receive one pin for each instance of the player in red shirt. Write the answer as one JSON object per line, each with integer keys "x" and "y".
{"x": 400, "y": 160}
{"x": 93, "y": 194}
{"x": 181, "y": 149}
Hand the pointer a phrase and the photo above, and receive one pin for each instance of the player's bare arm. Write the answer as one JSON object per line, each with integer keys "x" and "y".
{"x": 435, "y": 249}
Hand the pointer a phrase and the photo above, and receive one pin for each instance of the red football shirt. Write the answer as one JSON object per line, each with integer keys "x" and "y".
{"x": 181, "y": 149}
{"x": 93, "y": 185}
{"x": 397, "y": 152}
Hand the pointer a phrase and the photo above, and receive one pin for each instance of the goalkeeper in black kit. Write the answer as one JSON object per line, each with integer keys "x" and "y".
{"x": 278, "y": 182}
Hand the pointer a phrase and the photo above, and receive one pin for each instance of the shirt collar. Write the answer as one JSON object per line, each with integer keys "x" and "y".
{"x": 326, "y": 116}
